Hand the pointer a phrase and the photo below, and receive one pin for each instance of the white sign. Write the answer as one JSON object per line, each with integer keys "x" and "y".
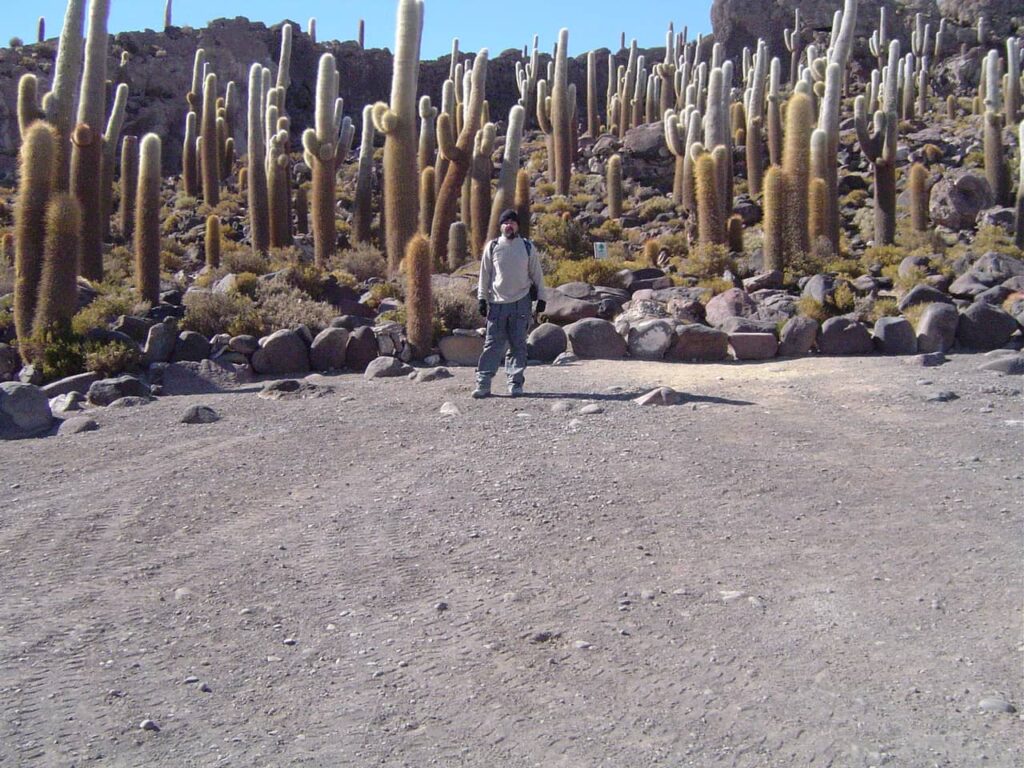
{"x": 600, "y": 251}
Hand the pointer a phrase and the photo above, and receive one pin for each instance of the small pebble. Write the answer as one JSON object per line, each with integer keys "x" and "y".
{"x": 191, "y": 679}
{"x": 450, "y": 409}
{"x": 441, "y": 606}
{"x": 149, "y": 725}
{"x": 290, "y": 641}
{"x": 996, "y": 704}
{"x": 205, "y": 688}
{"x": 592, "y": 409}
{"x": 582, "y": 645}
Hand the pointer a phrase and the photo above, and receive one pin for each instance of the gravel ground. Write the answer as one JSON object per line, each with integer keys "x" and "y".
{"x": 807, "y": 563}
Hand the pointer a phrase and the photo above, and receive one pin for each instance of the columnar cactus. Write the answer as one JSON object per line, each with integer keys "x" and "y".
{"x": 363, "y": 215}
{"x": 28, "y": 103}
{"x": 458, "y": 245}
{"x": 58, "y": 286}
{"x": 880, "y": 148}
{"x": 459, "y": 154}
{"x": 710, "y": 226}
{"x": 321, "y": 146}
{"x": 774, "y": 115}
{"x": 279, "y": 182}
{"x": 614, "y": 187}
{"x": 554, "y": 113}
{"x": 755, "y": 120}
{"x": 59, "y": 103}
{"x": 794, "y": 44}
{"x": 1019, "y": 239}
{"x": 285, "y": 61}
{"x": 168, "y": 8}
{"x": 311, "y": 29}
{"x": 256, "y": 172}
{"x": 301, "y": 211}
{"x": 36, "y": 159}
{"x": 480, "y": 185}
{"x": 776, "y": 196}
{"x": 504, "y": 193}
{"x": 194, "y": 97}
{"x": 41, "y": 30}
{"x": 522, "y": 201}
{"x": 828, "y": 170}
{"x": 428, "y": 199}
{"x": 526, "y": 82}
{"x": 627, "y": 87}
{"x": 110, "y": 138}
{"x": 909, "y": 68}
{"x": 129, "y": 183}
{"x": 996, "y": 169}
{"x": 87, "y": 141}
{"x": 817, "y": 221}
{"x": 211, "y": 241}
{"x": 796, "y": 165}
{"x": 147, "y": 221}
{"x": 428, "y": 134}
{"x": 1012, "y": 96}
{"x": 419, "y": 303}
{"x": 919, "y": 193}
{"x": 210, "y": 164}
{"x": 397, "y": 121}
{"x": 190, "y": 157}
{"x": 593, "y": 123}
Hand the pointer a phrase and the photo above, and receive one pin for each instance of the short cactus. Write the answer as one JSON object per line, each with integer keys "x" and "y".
{"x": 129, "y": 183}
{"x": 614, "y": 187}
{"x": 997, "y": 171}
{"x": 775, "y": 200}
{"x": 419, "y": 301}
{"x": 919, "y": 197}
{"x": 710, "y": 226}
{"x": 58, "y": 286}
{"x": 458, "y": 245}
{"x": 1019, "y": 239}
{"x": 211, "y": 241}
{"x": 28, "y": 103}
{"x": 147, "y": 221}
{"x": 428, "y": 134}
{"x": 428, "y": 198}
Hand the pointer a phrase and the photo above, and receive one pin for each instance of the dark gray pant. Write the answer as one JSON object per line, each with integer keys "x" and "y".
{"x": 507, "y": 326}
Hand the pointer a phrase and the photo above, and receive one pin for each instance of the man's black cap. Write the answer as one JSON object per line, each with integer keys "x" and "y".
{"x": 508, "y": 215}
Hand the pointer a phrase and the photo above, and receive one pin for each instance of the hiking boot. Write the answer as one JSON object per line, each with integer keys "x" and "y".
{"x": 481, "y": 392}
{"x": 516, "y": 390}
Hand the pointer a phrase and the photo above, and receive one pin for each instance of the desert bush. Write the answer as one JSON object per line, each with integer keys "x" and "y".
{"x": 381, "y": 291}
{"x": 282, "y": 306}
{"x": 213, "y": 313}
{"x": 454, "y": 308}
{"x": 709, "y": 261}
{"x": 603, "y": 272}
{"x": 362, "y": 261}
{"x": 913, "y": 314}
{"x": 112, "y": 359}
{"x": 652, "y": 208}
{"x": 560, "y": 239}
{"x": 611, "y": 229}
{"x": 559, "y": 204}
{"x": 240, "y": 260}
{"x": 57, "y": 354}
{"x": 246, "y": 283}
{"x": 712, "y": 287}
{"x": 105, "y": 309}
{"x": 883, "y": 307}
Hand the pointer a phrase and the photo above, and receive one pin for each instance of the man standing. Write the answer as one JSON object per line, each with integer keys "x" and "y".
{"x": 509, "y": 273}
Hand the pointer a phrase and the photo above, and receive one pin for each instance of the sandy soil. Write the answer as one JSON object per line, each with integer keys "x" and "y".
{"x": 807, "y": 564}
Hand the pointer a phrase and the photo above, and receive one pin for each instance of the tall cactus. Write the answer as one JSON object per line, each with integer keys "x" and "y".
{"x": 363, "y": 215}
{"x": 614, "y": 187}
{"x": 147, "y": 221}
{"x": 190, "y": 156}
{"x": 755, "y": 120}
{"x": 419, "y": 302}
{"x": 59, "y": 103}
{"x": 397, "y": 121}
{"x": 593, "y": 124}
{"x": 256, "y": 172}
{"x": 87, "y": 141}
{"x": 710, "y": 225}
{"x": 776, "y": 194}
{"x": 210, "y": 164}
{"x": 321, "y": 146}
{"x": 554, "y": 113}
{"x": 1012, "y": 97}
{"x": 828, "y": 123}
{"x": 28, "y": 103}
{"x": 284, "y": 64}
{"x": 428, "y": 134}
{"x": 459, "y": 154}
{"x": 880, "y": 148}
{"x": 110, "y": 139}
{"x": 480, "y": 177}
{"x": 129, "y": 183}
{"x": 1019, "y": 239}
{"x": 796, "y": 164}
{"x": 505, "y": 192}
{"x": 37, "y": 157}
{"x": 526, "y": 82}
{"x": 458, "y": 245}
{"x": 522, "y": 202}
{"x": 58, "y": 285}
{"x": 997, "y": 170}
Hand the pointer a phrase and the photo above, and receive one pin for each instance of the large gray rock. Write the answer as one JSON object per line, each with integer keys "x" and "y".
{"x": 733, "y": 325}
{"x": 546, "y": 342}
{"x": 24, "y": 411}
{"x": 956, "y": 202}
{"x": 596, "y": 339}
{"x": 983, "y": 326}
{"x": 361, "y": 349}
{"x": 78, "y": 383}
{"x": 77, "y": 425}
{"x": 160, "y": 343}
{"x": 204, "y": 377}
{"x": 281, "y": 352}
{"x": 387, "y": 368}
{"x": 106, "y": 391}
{"x": 462, "y": 349}
{"x": 753, "y": 346}
{"x": 650, "y": 339}
{"x": 328, "y": 350}
{"x": 9, "y": 362}
{"x": 936, "y": 330}
{"x": 191, "y": 347}
{"x": 731, "y": 303}
{"x": 798, "y": 336}
{"x": 895, "y": 336}
{"x": 844, "y": 336}
{"x": 698, "y": 343}
{"x": 922, "y": 294}
{"x": 646, "y": 142}
{"x": 563, "y": 310}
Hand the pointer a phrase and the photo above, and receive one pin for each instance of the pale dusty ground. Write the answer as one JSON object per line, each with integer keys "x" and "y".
{"x": 808, "y": 565}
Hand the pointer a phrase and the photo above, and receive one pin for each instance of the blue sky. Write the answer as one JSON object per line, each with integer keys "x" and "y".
{"x": 592, "y": 24}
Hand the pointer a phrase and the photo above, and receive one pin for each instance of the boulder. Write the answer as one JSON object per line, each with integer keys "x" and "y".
{"x": 844, "y": 336}
{"x": 731, "y": 303}
{"x": 661, "y": 396}
{"x": 160, "y": 342}
{"x": 328, "y": 350}
{"x": 78, "y": 383}
{"x": 204, "y": 377}
{"x": 798, "y": 336}
{"x": 747, "y": 325}
{"x": 387, "y": 368}
{"x": 956, "y": 202}
{"x": 361, "y": 349}
{"x": 1011, "y": 365}
{"x": 936, "y": 330}
{"x": 106, "y": 391}
{"x": 753, "y": 346}
{"x": 243, "y": 344}
{"x": 281, "y": 352}
{"x": 462, "y": 349}
{"x": 77, "y": 425}
{"x": 426, "y": 375}
{"x": 546, "y": 342}
{"x": 698, "y": 343}
{"x": 190, "y": 347}
{"x": 646, "y": 142}
{"x": 983, "y": 326}
{"x": 69, "y": 403}
{"x": 24, "y": 411}
{"x": 650, "y": 339}
{"x": 922, "y": 294}
{"x": 895, "y": 336}
{"x": 199, "y": 414}
{"x": 596, "y": 339}
{"x": 821, "y": 288}
{"x": 563, "y": 310}
{"x": 772, "y": 279}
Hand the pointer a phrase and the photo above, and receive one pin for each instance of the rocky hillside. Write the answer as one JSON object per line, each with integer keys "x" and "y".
{"x": 160, "y": 72}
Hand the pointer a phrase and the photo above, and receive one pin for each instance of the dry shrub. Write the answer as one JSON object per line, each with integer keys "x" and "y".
{"x": 456, "y": 309}
{"x": 603, "y": 272}
{"x": 362, "y": 261}
{"x": 213, "y": 313}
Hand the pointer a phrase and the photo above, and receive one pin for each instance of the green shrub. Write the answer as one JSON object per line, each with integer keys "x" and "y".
{"x": 381, "y": 291}
{"x": 709, "y": 261}
{"x": 213, "y": 313}
{"x": 885, "y": 255}
{"x": 112, "y": 359}
{"x": 814, "y": 309}
{"x": 610, "y": 230}
{"x": 242, "y": 259}
{"x": 559, "y": 204}
{"x": 105, "y": 309}
{"x": 603, "y": 272}
{"x": 362, "y": 261}
{"x": 713, "y": 286}
{"x": 57, "y": 354}
{"x": 246, "y": 283}
{"x": 454, "y": 308}
{"x": 560, "y": 239}
{"x": 654, "y": 207}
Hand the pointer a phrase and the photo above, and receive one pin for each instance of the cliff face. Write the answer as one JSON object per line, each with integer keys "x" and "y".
{"x": 159, "y": 75}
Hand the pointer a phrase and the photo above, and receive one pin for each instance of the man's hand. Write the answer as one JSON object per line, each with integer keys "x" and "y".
{"x": 541, "y": 306}
{"x": 483, "y": 307}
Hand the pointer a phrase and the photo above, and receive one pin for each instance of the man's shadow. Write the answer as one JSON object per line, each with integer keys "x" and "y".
{"x": 621, "y": 397}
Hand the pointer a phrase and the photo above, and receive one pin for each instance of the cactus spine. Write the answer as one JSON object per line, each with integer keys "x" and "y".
{"x": 129, "y": 182}
{"x": 363, "y": 216}
{"x": 459, "y": 154}
{"x": 614, "y": 187}
{"x": 419, "y": 303}
{"x": 87, "y": 142}
{"x": 147, "y": 221}
{"x": 522, "y": 202}
{"x": 996, "y": 169}
{"x": 880, "y": 148}
{"x": 505, "y": 192}
{"x": 211, "y": 164}
{"x": 37, "y": 158}
{"x": 397, "y": 121}
{"x": 256, "y": 172}
{"x": 321, "y": 146}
